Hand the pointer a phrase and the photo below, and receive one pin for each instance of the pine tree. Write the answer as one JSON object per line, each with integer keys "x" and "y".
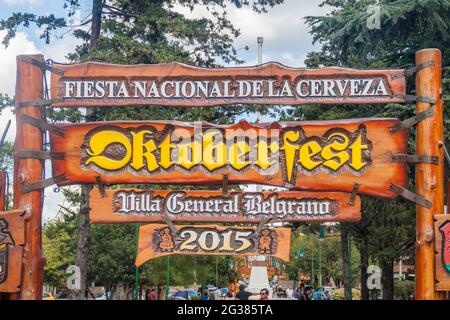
{"x": 386, "y": 231}
{"x": 142, "y": 31}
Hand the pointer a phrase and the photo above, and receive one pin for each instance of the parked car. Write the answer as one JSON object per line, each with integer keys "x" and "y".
{"x": 327, "y": 289}
{"x": 211, "y": 288}
{"x": 103, "y": 296}
{"x": 47, "y": 296}
{"x": 181, "y": 295}
{"x": 191, "y": 294}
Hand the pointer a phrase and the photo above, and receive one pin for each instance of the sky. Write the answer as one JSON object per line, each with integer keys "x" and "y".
{"x": 286, "y": 40}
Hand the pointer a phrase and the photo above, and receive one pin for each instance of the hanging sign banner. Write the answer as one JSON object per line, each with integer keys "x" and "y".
{"x": 175, "y": 84}
{"x": 442, "y": 248}
{"x": 12, "y": 237}
{"x": 157, "y": 240}
{"x": 131, "y": 206}
{"x": 316, "y": 156}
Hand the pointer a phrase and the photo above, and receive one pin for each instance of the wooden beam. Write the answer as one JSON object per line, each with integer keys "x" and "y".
{"x": 29, "y": 86}
{"x": 429, "y": 178}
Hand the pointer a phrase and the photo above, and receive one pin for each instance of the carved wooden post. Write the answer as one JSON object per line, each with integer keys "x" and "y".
{"x": 29, "y": 86}
{"x": 429, "y": 177}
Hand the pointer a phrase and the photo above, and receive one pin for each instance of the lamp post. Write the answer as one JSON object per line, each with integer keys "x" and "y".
{"x": 167, "y": 277}
{"x": 350, "y": 268}
{"x": 217, "y": 272}
{"x": 321, "y": 238}
{"x": 312, "y": 268}
{"x": 260, "y": 41}
{"x": 136, "y": 269}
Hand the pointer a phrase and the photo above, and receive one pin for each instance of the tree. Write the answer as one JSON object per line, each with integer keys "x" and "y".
{"x": 331, "y": 261}
{"x": 142, "y": 31}
{"x": 387, "y": 229}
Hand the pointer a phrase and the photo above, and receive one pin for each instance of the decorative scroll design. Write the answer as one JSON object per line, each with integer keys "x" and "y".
{"x": 158, "y": 240}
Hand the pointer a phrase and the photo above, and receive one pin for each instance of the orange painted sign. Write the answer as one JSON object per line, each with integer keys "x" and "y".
{"x": 12, "y": 237}
{"x": 157, "y": 240}
{"x": 131, "y": 206}
{"x": 442, "y": 248}
{"x": 175, "y": 84}
{"x": 314, "y": 156}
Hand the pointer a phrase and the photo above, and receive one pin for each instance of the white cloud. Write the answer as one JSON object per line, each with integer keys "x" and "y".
{"x": 286, "y": 36}
{"x": 21, "y": 44}
{"x": 22, "y": 2}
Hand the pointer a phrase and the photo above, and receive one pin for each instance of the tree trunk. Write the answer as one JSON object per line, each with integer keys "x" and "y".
{"x": 82, "y": 243}
{"x": 96, "y": 25}
{"x": 345, "y": 260}
{"x": 83, "y": 225}
{"x": 387, "y": 278}
{"x": 364, "y": 248}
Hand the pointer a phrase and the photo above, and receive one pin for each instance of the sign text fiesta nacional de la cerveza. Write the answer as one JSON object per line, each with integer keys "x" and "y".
{"x": 175, "y": 84}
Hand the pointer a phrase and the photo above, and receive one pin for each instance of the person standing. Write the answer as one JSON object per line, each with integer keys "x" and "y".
{"x": 264, "y": 294}
{"x": 152, "y": 294}
{"x": 297, "y": 294}
{"x": 308, "y": 293}
{"x": 243, "y": 294}
{"x": 229, "y": 296}
{"x": 289, "y": 293}
{"x": 217, "y": 294}
{"x": 205, "y": 295}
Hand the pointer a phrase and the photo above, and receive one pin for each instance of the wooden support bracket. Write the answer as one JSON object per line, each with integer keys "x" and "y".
{"x": 101, "y": 186}
{"x": 42, "y": 184}
{"x": 354, "y": 194}
{"x": 411, "y": 196}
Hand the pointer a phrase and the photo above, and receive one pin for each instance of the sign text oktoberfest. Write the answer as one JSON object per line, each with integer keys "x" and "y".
{"x": 175, "y": 84}
{"x": 131, "y": 205}
{"x": 157, "y": 240}
{"x": 314, "y": 156}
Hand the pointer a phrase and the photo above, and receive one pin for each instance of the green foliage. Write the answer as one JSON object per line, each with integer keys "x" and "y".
{"x": 111, "y": 255}
{"x": 339, "y": 294}
{"x": 403, "y": 289}
{"x": 59, "y": 244}
{"x": 330, "y": 261}
{"x": 5, "y": 101}
{"x": 406, "y": 27}
{"x": 147, "y": 31}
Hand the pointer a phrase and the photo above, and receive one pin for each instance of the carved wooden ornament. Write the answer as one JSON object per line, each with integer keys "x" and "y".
{"x": 157, "y": 240}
